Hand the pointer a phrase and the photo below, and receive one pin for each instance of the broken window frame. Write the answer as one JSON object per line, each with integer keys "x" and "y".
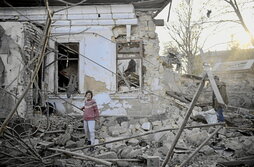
{"x": 138, "y": 56}
{"x": 59, "y": 56}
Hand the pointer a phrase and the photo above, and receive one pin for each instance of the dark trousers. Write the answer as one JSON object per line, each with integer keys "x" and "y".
{"x": 220, "y": 116}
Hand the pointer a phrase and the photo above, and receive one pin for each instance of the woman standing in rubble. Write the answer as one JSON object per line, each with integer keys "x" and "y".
{"x": 91, "y": 114}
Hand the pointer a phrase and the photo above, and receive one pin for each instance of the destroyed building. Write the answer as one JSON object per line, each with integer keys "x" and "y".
{"x": 111, "y": 48}
{"x": 90, "y": 48}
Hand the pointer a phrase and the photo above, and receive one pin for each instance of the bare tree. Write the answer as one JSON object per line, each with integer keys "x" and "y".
{"x": 237, "y": 11}
{"x": 185, "y": 32}
{"x": 192, "y": 27}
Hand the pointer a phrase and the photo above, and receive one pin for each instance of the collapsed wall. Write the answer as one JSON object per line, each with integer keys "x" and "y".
{"x": 110, "y": 25}
{"x": 18, "y": 47}
{"x": 150, "y": 100}
{"x": 145, "y": 95}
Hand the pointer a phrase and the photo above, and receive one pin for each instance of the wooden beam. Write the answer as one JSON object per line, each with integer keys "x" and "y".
{"x": 100, "y": 161}
{"x": 189, "y": 111}
{"x": 125, "y": 80}
{"x": 158, "y": 22}
{"x": 128, "y": 58}
{"x": 215, "y": 87}
{"x": 113, "y": 160}
{"x": 148, "y": 133}
{"x": 178, "y": 97}
{"x": 141, "y": 55}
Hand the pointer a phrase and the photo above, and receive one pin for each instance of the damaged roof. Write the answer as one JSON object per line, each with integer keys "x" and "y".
{"x": 138, "y": 4}
{"x": 242, "y": 65}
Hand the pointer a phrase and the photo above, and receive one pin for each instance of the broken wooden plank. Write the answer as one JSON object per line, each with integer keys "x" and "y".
{"x": 50, "y": 132}
{"x": 148, "y": 133}
{"x": 125, "y": 80}
{"x": 177, "y": 96}
{"x": 236, "y": 163}
{"x": 215, "y": 88}
{"x": 189, "y": 111}
{"x": 141, "y": 54}
{"x": 45, "y": 144}
{"x": 100, "y": 161}
{"x": 113, "y": 160}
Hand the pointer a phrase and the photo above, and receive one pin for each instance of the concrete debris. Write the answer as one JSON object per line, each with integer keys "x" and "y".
{"x": 195, "y": 137}
{"x": 146, "y": 126}
{"x": 155, "y": 146}
{"x": 209, "y": 116}
{"x": 133, "y": 142}
{"x": 107, "y": 155}
{"x": 123, "y": 164}
{"x": 153, "y": 161}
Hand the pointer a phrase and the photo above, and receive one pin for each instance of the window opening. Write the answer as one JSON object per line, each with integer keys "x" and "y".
{"x": 68, "y": 59}
{"x": 129, "y": 66}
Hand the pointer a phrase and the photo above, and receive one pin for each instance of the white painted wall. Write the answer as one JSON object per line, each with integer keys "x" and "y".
{"x": 102, "y": 52}
{"x": 14, "y": 65}
{"x": 94, "y": 34}
{"x": 91, "y": 27}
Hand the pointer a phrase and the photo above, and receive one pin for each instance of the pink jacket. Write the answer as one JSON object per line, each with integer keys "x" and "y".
{"x": 90, "y": 110}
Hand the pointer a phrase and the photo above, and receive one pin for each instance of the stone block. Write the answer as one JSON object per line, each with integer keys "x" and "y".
{"x": 81, "y": 143}
{"x": 153, "y": 161}
{"x": 158, "y": 137}
{"x": 196, "y": 138}
{"x": 71, "y": 144}
{"x": 123, "y": 164}
{"x": 125, "y": 125}
{"x": 143, "y": 120}
{"x": 151, "y": 24}
{"x": 146, "y": 126}
{"x": 118, "y": 146}
{"x": 107, "y": 155}
{"x": 164, "y": 150}
{"x": 60, "y": 162}
{"x": 135, "y": 153}
{"x": 157, "y": 123}
{"x": 122, "y": 130}
{"x": 125, "y": 152}
{"x": 207, "y": 150}
{"x": 114, "y": 131}
{"x": 45, "y": 144}
{"x": 62, "y": 139}
{"x": 133, "y": 142}
{"x": 111, "y": 145}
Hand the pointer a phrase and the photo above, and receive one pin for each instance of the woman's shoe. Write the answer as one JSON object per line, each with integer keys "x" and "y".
{"x": 87, "y": 142}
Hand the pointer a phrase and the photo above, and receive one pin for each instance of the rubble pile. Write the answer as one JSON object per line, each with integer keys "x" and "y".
{"x": 125, "y": 141}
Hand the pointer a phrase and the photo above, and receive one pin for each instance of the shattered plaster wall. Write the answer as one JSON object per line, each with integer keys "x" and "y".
{"x": 148, "y": 102}
{"x": 15, "y": 46}
{"x": 102, "y": 81}
{"x": 144, "y": 103}
{"x": 96, "y": 29}
{"x": 135, "y": 104}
